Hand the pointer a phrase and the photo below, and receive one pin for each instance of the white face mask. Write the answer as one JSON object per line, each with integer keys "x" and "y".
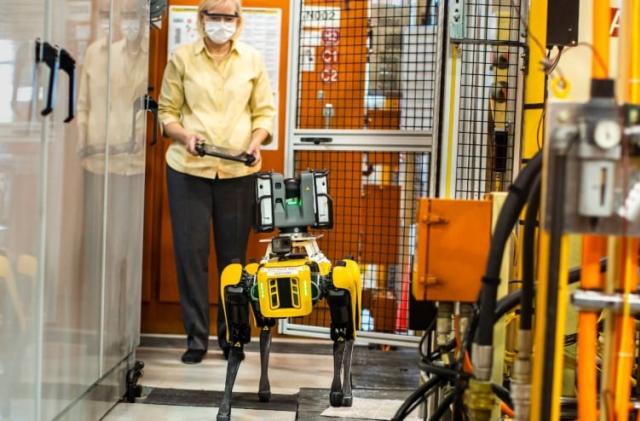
{"x": 220, "y": 32}
{"x": 130, "y": 28}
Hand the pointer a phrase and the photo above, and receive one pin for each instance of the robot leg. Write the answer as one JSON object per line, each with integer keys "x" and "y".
{"x": 341, "y": 332}
{"x": 344, "y": 297}
{"x": 236, "y": 311}
{"x": 265, "y": 325}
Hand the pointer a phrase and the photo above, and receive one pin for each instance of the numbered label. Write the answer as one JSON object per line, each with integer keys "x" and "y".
{"x": 330, "y": 55}
{"x": 320, "y": 17}
{"x": 329, "y": 74}
{"x": 330, "y": 37}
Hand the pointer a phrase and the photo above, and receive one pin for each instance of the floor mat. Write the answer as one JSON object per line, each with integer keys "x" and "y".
{"x": 312, "y": 403}
{"x": 182, "y": 397}
{"x": 370, "y": 409}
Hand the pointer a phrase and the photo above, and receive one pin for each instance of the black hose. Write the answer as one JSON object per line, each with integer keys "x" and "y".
{"x": 556, "y": 228}
{"x": 507, "y": 303}
{"x": 444, "y": 373}
{"x": 528, "y": 256}
{"x": 419, "y": 394}
{"x": 433, "y": 356}
{"x": 503, "y": 394}
{"x": 444, "y": 406}
{"x": 509, "y": 214}
{"x": 421, "y": 400}
{"x": 427, "y": 331}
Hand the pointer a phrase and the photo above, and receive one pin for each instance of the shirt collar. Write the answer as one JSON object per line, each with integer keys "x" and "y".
{"x": 200, "y": 46}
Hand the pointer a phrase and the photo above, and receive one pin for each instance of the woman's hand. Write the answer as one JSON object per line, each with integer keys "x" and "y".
{"x": 258, "y": 136}
{"x": 190, "y": 140}
{"x": 254, "y": 149}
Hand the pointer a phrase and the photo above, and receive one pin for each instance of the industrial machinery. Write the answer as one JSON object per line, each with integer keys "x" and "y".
{"x": 514, "y": 354}
{"x": 292, "y": 276}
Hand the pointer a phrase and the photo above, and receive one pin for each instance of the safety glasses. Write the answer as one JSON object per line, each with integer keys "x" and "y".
{"x": 219, "y": 17}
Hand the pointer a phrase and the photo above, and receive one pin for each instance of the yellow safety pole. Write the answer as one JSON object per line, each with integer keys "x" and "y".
{"x": 535, "y": 84}
{"x": 533, "y": 124}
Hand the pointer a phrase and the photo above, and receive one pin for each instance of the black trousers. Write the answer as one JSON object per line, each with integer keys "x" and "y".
{"x": 194, "y": 203}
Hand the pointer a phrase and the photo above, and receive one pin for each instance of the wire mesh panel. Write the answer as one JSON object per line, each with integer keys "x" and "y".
{"x": 491, "y": 61}
{"x": 367, "y": 64}
{"x": 375, "y": 196}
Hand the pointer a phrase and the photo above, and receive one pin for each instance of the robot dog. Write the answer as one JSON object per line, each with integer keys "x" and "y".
{"x": 292, "y": 276}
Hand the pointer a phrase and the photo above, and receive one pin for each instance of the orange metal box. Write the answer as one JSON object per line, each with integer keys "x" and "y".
{"x": 452, "y": 245}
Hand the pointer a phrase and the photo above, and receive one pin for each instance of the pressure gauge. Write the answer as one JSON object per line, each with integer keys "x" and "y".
{"x": 607, "y": 134}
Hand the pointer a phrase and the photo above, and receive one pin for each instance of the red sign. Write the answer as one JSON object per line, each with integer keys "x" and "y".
{"x": 330, "y": 55}
{"x": 329, "y": 74}
{"x": 330, "y": 37}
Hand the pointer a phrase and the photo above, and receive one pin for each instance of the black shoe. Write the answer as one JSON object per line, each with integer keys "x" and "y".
{"x": 193, "y": 356}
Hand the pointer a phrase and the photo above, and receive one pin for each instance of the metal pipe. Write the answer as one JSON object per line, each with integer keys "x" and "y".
{"x": 595, "y": 301}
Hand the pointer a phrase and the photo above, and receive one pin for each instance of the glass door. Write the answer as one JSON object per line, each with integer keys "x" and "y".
{"x": 21, "y": 204}
{"x": 75, "y": 201}
{"x": 128, "y": 80}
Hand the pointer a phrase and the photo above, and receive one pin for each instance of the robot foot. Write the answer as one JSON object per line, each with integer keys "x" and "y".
{"x": 336, "y": 395}
{"x": 347, "y": 399}
{"x": 264, "y": 395}
{"x": 336, "y": 398}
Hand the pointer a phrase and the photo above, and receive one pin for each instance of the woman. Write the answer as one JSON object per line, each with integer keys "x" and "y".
{"x": 215, "y": 91}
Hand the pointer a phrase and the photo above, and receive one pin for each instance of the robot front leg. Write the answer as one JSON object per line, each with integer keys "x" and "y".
{"x": 342, "y": 334}
{"x": 265, "y": 325}
{"x": 236, "y": 304}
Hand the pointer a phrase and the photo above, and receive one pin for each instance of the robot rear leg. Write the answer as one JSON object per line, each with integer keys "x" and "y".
{"x": 236, "y": 304}
{"x": 265, "y": 325}
{"x": 342, "y": 334}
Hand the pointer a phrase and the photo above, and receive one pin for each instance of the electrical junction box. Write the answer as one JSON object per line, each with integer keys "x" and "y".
{"x": 452, "y": 245}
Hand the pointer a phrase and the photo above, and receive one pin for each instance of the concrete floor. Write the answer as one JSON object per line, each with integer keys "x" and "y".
{"x": 300, "y": 377}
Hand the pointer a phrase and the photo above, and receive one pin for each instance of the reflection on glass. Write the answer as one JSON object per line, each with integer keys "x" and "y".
{"x": 91, "y": 120}
{"x": 126, "y": 136}
{"x": 104, "y": 146}
{"x": 19, "y": 219}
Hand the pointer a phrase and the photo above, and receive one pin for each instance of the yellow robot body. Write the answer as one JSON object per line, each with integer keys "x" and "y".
{"x": 348, "y": 277}
{"x": 284, "y": 288}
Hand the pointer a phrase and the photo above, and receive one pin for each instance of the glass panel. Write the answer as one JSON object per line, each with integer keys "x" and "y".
{"x": 21, "y": 22}
{"x": 75, "y": 202}
{"x": 125, "y": 197}
{"x": 371, "y": 65}
{"x": 374, "y": 209}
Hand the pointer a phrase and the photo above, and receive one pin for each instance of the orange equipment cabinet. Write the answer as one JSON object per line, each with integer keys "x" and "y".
{"x": 452, "y": 245}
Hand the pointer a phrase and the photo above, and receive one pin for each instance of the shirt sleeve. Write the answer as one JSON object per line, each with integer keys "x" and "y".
{"x": 83, "y": 104}
{"x": 172, "y": 93}
{"x": 262, "y": 104}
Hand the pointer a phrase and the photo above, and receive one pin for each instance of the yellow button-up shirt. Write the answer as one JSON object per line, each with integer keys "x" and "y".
{"x": 224, "y": 103}
{"x": 99, "y": 119}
